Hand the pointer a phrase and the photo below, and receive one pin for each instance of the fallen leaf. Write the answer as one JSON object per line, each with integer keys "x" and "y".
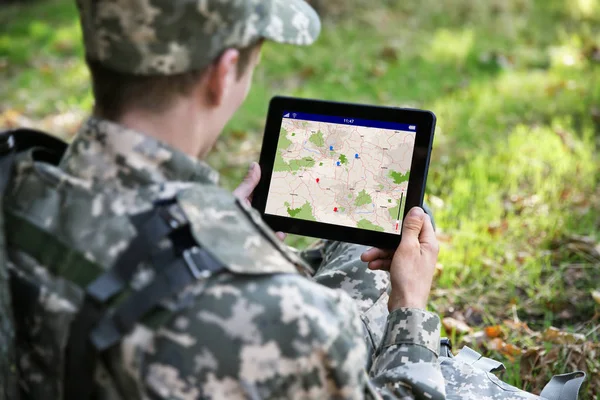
{"x": 476, "y": 339}
{"x": 596, "y": 296}
{"x": 493, "y": 331}
{"x": 496, "y": 228}
{"x": 557, "y": 336}
{"x": 504, "y": 348}
{"x": 389, "y": 53}
{"x": 451, "y": 324}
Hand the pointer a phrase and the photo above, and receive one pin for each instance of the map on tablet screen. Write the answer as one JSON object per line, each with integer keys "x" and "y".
{"x": 342, "y": 171}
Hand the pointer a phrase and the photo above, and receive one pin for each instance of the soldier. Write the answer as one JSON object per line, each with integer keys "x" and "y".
{"x": 167, "y": 75}
{"x": 135, "y": 276}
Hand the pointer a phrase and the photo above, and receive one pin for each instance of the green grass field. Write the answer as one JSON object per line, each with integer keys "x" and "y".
{"x": 513, "y": 183}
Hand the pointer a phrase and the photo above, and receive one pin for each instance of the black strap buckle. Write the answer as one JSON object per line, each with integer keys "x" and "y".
{"x": 445, "y": 347}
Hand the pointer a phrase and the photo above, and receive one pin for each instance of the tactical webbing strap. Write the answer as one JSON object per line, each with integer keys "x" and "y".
{"x": 153, "y": 226}
{"x": 471, "y": 357}
{"x": 195, "y": 264}
{"x": 94, "y": 330}
{"x": 563, "y": 387}
{"x": 560, "y": 387}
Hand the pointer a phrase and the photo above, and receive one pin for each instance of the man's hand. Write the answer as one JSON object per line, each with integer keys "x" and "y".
{"x": 412, "y": 265}
{"x": 245, "y": 189}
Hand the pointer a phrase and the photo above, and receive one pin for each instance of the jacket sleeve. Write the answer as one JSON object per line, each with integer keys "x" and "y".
{"x": 406, "y": 365}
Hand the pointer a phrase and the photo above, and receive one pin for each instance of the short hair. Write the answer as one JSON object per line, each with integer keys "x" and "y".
{"x": 116, "y": 92}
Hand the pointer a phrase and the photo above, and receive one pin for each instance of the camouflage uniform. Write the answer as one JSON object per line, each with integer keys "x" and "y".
{"x": 261, "y": 330}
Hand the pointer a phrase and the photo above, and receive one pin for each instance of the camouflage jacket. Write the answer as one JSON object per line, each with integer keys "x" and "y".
{"x": 260, "y": 330}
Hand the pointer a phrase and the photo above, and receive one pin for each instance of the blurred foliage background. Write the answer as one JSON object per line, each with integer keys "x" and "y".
{"x": 514, "y": 175}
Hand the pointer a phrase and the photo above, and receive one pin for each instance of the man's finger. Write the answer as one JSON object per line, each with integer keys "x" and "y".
{"x": 380, "y": 265}
{"x": 413, "y": 224}
{"x": 245, "y": 189}
{"x": 281, "y": 235}
{"x": 427, "y": 235}
{"x": 427, "y": 231}
{"x": 376, "y": 254}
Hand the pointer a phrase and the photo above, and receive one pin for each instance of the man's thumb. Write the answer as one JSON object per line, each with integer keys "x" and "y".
{"x": 253, "y": 175}
{"x": 245, "y": 189}
{"x": 413, "y": 223}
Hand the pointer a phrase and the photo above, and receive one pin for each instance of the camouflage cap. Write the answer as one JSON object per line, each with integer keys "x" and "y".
{"x": 165, "y": 37}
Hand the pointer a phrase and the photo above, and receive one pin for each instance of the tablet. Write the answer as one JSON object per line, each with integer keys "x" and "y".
{"x": 346, "y": 172}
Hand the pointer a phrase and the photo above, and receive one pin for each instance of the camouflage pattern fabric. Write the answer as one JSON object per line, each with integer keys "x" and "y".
{"x": 262, "y": 330}
{"x": 341, "y": 268}
{"x": 466, "y": 382}
{"x": 164, "y": 37}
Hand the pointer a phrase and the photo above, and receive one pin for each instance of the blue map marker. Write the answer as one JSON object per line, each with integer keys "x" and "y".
{"x": 331, "y": 148}
{"x": 356, "y": 155}
{"x": 338, "y": 163}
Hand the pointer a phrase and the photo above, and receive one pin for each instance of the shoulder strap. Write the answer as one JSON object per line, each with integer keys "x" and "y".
{"x": 564, "y": 387}
{"x": 12, "y": 142}
{"x": 95, "y": 330}
{"x": 25, "y": 138}
{"x": 8, "y": 370}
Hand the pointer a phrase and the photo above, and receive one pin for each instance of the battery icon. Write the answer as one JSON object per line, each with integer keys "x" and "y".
{"x": 412, "y": 127}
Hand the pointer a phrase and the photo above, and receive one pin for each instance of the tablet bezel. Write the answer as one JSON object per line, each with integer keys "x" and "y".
{"x": 425, "y": 126}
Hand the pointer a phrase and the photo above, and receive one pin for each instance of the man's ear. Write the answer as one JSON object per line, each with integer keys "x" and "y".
{"x": 221, "y": 76}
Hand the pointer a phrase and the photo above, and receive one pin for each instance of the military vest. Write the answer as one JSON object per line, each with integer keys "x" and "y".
{"x": 86, "y": 269}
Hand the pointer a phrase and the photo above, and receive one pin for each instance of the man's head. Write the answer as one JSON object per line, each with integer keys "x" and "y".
{"x": 150, "y": 55}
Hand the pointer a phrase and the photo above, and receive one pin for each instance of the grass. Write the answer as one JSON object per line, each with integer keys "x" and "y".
{"x": 514, "y": 176}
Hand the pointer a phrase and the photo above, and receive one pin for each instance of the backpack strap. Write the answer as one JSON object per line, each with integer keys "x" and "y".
{"x": 564, "y": 387}
{"x": 473, "y": 358}
{"x": 95, "y": 330}
{"x": 8, "y": 370}
{"x": 24, "y": 139}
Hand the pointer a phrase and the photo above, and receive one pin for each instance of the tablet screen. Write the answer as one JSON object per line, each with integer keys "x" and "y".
{"x": 342, "y": 171}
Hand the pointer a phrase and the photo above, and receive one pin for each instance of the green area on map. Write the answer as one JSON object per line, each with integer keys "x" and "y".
{"x": 399, "y": 177}
{"x": 317, "y": 139}
{"x": 294, "y": 165}
{"x": 363, "y": 198}
{"x": 366, "y": 224}
{"x": 304, "y": 212}
{"x": 305, "y": 162}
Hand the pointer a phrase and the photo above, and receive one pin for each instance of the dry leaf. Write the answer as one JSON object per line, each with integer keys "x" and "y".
{"x": 389, "y": 53}
{"x": 475, "y": 340}
{"x": 452, "y": 324}
{"x": 506, "y": 349}
{"x": 557, "y": 336}
{"x": 493, "y": 331}
{"x": 496, "y": 228}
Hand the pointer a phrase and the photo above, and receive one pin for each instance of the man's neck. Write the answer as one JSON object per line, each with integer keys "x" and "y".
{"x": 181, "y": 127}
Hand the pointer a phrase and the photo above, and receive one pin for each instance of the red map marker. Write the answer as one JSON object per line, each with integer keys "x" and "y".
{"x": 317, "y": 180}
{"x": 334, "y": 209}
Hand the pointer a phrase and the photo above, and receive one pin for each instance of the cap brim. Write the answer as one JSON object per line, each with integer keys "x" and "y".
{"x": 292, "y": 22}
